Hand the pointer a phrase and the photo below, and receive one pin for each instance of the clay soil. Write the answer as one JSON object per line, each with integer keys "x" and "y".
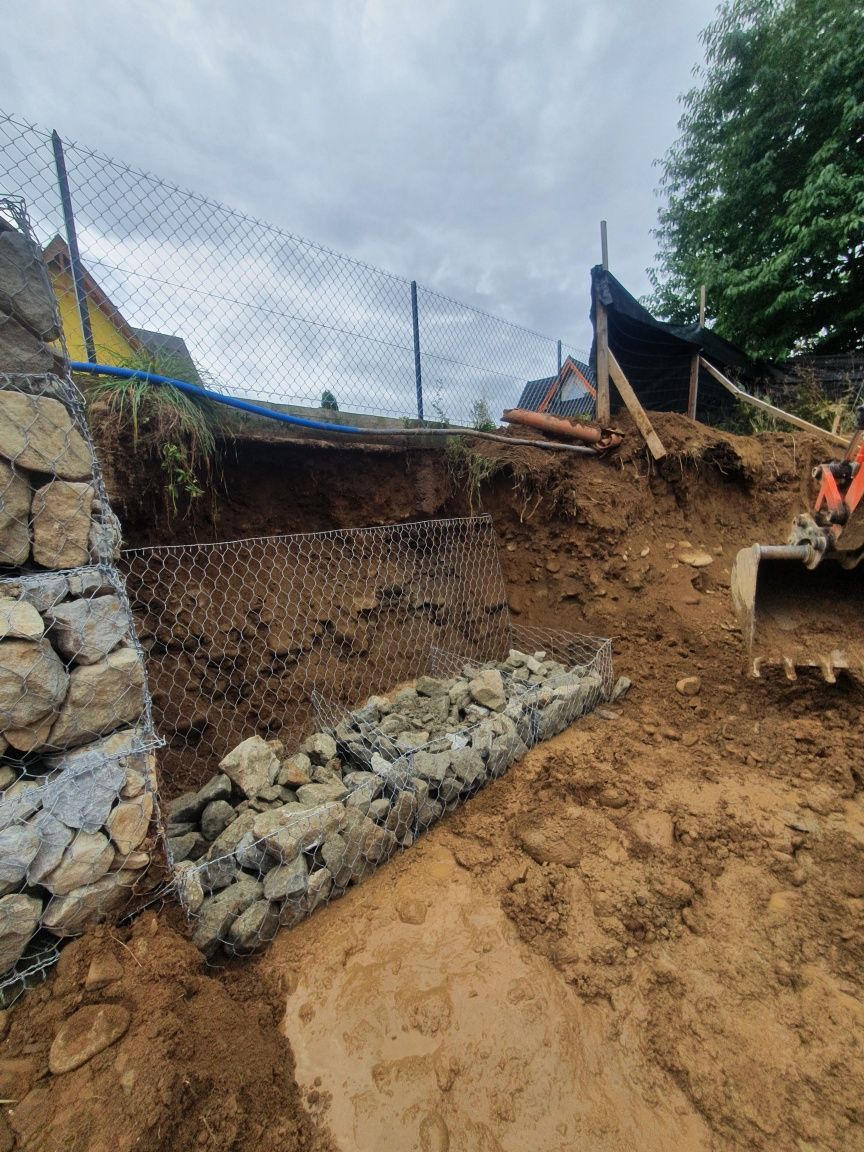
{"x": 649, "y": 934}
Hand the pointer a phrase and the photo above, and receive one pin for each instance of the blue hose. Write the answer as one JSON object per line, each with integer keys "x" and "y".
{"x": 206, "y": 394}
{"x": 319, "y": 425}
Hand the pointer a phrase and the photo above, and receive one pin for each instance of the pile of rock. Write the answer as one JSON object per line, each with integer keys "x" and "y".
{"x": 270, "y": 837}
{"x": 76, "y": 781}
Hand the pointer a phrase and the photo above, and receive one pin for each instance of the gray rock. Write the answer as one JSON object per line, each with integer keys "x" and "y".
{"x": 85, "y": 861}
{"x": 287, "y": 880}
{"x": 215, "y": 819}
{"x": 467, "y": 765}
{"x": 430, "y": 765}
{"x": 82, "y": 788}
{"x": 318, "y": 889}
{"x": 218, "y": 913}
{"x": 621, "y": 687}
{"x": 19, "y": 919}
{"x": 185, "y": 809}
{"x": 87, "y": 630}
{"x": 251, "y": 766}
{"x": 227, "y": 841}
{"x": 371, "y": 781}
{"x": 254, "y": 927}
{"x": 61, "y": 513}
{"x": 505, "y": 749}
{"x": 25, "y": 290}
{"x": 54, "y": 839}
{"x": 311, "y": 795}
{"x": 38, "y": 433}
{"x": 180, "y": 829}
{"x": 432, "y": 687}
{"x": 251, "y": 854}
{"x": 319, "y": 748}
{"x": 287, "y": 831}
{"x": 402, "y": 815}
{"x": 329, "y": 773}
{"x": 19, "y": 844}
{"x": 33, "y": 683}
{"x": 101, "y": 697}
{"x": 449, "y": 790}
{"x": 189, "y": 888}
{"x": 15, "y": 499}
{"x": 271, "y": 794}
{"x": 364, "y": 838}
{"x": 20, "y": 350}
{"x": 429, "y": 812}
{"x": 379, "y": 810}
{"x": 218, "y": 873}
{"x": 180, "y": 847}
{"x": 344, "y": 864}
{"x": 68, "y": 915}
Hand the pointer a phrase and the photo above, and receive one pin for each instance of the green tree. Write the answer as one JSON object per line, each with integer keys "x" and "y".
{"x": 764, "y": 188}
{"x": 329, "y": 401}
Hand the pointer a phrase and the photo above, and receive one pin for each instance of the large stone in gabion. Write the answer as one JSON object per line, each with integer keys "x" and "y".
{"x": 16, "y": 497}
{"x": 85, "y": 861}
{"x": 33, "y": 683}
{"x": 487, "y": 689}
{"x": 255, "y": 926}
{"x": 218, "y": 913}
{"x": 19, "y": 620}
{"x": 287, "y": 831}
{"x": 61, "y": 514}
{"x": 38, "y": 433}
{"x": 19, "y": 844}
{"x": 251, "y": 766}
{"x": 83, "y": 788}
{"x": 101, "y": 697}
{"x": 20, "y": 350}
{"x": 87, "y": 630}
{"x": 68, "y": 915}
{"x": 287, "y": 880}
{"x": 54, "y": 839}
{"x": 25, "y": 290}
{"x": 128, "y": 823}
{"x": 19, "y": 919}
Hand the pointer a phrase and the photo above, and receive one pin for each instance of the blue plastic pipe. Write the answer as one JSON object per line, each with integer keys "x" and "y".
{"x": 319, "y": 425}
{"x": 205, "y": 393}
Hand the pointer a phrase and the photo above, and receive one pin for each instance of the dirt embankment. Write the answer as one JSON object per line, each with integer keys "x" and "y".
{"x": 650, "y": 932}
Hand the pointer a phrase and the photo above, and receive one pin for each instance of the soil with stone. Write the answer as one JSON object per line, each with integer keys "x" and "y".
{"x": 667, "y": 897}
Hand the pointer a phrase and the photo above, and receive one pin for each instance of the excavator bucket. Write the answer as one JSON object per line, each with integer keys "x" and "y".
{"x": 798, "y": 617}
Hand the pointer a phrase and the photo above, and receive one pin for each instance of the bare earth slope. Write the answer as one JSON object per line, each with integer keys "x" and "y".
{"x": 649, "y": 934}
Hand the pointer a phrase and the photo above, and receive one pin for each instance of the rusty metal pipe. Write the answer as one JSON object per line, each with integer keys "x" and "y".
{"x": 599, "y": 438}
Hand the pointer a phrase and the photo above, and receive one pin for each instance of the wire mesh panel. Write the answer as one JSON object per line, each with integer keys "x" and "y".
{"x": 241, "y": 634}
{"x": 288, "y": 783}
{"x": 182, "y": 285}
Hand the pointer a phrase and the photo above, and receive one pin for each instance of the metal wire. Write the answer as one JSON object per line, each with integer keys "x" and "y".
{"x": 190, "y": 288}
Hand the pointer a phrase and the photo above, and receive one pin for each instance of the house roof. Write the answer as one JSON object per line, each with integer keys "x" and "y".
{"x": 535, "y": 391}
{"x": 170, "y": 349}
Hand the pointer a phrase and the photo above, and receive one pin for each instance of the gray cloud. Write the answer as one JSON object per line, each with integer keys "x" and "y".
{"x": 471, "y": 145}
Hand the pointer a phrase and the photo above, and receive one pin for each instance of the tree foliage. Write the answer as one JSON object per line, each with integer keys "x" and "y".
{"x": 764, "y": 188}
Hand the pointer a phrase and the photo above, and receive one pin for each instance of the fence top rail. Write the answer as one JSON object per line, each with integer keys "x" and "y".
{"x": 485, "y": 519}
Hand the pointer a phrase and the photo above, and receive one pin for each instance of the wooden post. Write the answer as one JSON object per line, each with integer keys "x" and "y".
{"x": 755, "y": 402}
{"x": 602, "y": 338}
{"x": 693, "y": 397}
{"x": 640, "y": 416}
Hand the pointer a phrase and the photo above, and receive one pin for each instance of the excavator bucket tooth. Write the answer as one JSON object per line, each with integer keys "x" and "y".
{"x": 796, "y": 617}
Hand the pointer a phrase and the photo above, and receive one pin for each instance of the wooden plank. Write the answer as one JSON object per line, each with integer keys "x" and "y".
{"x": 604, "y": 408}
{"x": 631, "y": 402}
{"x": 755, "y": 402}
{"x": 693, "y": 395}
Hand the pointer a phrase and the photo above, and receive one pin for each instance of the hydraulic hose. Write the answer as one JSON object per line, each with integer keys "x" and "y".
{"x": 303, "y": 421}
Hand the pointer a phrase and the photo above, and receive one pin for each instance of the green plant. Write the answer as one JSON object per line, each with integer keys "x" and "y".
{"x": 172, "y": 427}
{"x": 763, "y": 194}
{"x": 329, "y": 401}
{"x": 481, "y": 417}
{"x": 469, "y": 469}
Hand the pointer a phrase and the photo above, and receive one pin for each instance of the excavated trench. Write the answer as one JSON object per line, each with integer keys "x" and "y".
{"x": 649, "y": 933}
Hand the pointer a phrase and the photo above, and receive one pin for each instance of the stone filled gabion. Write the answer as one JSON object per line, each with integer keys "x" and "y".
{"x": 272, "y": 836}
{"x": 76, "y": 766}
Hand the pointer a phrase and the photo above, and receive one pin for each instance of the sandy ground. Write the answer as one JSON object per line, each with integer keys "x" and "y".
{"x": 649, "y": 934}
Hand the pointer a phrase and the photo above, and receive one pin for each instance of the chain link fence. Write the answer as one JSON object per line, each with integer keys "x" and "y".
{"x": 179, "y": 284}
{"x": 283, "y": 780}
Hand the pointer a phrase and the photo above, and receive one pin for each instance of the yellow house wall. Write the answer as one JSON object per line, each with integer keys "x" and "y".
{"x": 111, "y": 346}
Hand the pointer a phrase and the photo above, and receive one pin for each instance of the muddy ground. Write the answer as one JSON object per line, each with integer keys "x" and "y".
{"x": 649, "y": 934}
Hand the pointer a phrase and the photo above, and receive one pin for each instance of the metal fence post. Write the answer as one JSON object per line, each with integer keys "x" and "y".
{"x": 72, "y": 241}
{"x": 418, "y": 375}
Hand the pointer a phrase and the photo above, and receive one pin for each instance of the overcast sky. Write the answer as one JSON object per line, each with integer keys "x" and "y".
{"x": 471, "y": 144}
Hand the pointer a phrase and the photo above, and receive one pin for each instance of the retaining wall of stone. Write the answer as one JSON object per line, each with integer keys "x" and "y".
{"x": 77, "y": 783}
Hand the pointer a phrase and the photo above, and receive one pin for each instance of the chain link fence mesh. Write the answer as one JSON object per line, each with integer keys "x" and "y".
{"x": 184, "y": 286}
{"x": 77, "y": 788}
{"x": 284, "y": 792}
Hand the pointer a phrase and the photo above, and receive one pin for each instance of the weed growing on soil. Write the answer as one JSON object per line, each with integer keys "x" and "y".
{"x": 470, "y": 470}
{"x": 177, "y": 430}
